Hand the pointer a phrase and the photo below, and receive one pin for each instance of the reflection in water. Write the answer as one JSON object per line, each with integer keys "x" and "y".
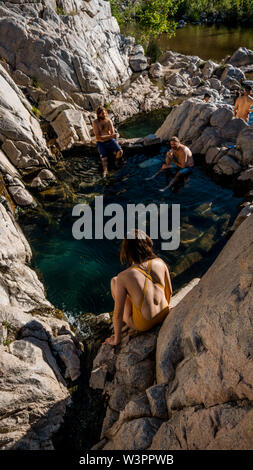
{"x": 77, "y": 273}
{"x": 208, "y": 42}
{"x": 142, "y": 124}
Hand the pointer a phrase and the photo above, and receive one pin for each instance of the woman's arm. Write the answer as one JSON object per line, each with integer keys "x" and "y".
{"x": 168, "y": 286}
{"x": 119, "y": 303}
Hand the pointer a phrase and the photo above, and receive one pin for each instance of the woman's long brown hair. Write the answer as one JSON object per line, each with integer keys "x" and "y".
{"x": 136, "y": 250}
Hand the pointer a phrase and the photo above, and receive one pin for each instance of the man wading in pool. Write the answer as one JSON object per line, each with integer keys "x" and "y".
{"x": 105, "y": 137}
{"x": 179, "y": 157}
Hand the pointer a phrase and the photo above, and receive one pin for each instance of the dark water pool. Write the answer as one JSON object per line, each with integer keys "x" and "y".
{"x": 77, "y": 273}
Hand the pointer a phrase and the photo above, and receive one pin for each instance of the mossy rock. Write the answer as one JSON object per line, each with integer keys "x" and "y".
{"x": 49, "y": 312}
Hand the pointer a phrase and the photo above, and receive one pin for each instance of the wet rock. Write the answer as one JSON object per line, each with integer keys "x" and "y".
{"x": 151, "y": 139}
{"x": 44, "y": 179}
{"x": 21, "y": 196}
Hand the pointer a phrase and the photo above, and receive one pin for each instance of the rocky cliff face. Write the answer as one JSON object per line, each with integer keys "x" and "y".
{"x": 37, "y": 351}
{"x": 76, "y": 47}
{"x": 189, "y": 384}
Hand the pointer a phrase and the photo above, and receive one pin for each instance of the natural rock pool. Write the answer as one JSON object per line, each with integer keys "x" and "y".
{"x": 77, "y": 274}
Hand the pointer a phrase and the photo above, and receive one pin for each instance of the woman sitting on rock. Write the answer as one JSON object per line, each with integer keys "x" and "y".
{"x": 141, "y": 292}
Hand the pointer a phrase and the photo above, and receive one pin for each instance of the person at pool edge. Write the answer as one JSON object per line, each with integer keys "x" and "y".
{"x": 179, "y": 157}
{"x": 105, "y": 138}
{"x": 141, "y": 292}
{"x": 243, "y": 104}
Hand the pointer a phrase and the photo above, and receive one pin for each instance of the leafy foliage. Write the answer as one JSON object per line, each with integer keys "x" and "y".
{"x": 158, "y": 16}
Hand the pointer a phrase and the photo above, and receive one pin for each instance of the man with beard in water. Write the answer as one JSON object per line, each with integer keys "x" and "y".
{"x": 178, "y": 158}
{"x": 105, "y": 138}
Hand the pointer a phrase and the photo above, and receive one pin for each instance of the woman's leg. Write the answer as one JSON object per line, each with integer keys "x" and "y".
{"x": 127, "y": 315}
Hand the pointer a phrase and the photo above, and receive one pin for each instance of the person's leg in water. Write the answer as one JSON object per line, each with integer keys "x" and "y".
{"x": 101, "y": 146}
{"x": 104, "y": 165}
{"x": 163, "y": 168}
{"x": 183, "y": 173}
{"x": 128, "y": 314}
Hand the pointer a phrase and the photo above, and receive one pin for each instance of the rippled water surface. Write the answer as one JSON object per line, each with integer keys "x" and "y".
{"x": 77, "y": 273}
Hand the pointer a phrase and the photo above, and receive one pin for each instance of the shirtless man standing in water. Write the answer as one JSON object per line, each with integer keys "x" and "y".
{"x": 243, "y": 104}
{"x": 105, "y": 137}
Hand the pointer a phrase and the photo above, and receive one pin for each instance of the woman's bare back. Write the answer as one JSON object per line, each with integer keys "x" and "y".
{"x": 155, "y": 299}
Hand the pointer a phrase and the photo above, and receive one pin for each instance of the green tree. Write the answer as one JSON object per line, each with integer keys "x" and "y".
{"x": 158, "y": 16}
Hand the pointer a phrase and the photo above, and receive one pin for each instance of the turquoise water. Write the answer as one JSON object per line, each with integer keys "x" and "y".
{"x": 77, "y": 273}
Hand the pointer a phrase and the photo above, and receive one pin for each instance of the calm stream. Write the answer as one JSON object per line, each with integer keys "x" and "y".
{"x": 208, "y": 42}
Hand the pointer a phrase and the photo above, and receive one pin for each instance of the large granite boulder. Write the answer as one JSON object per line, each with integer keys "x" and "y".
{"x": 242, "y": 57}
{"x": 187, "y": 120}
{"x": 77, "y": 47}
{"x": 33, "y": 391}
{"x": 202, "y": 392}
{"x": 71, "y": 129}
{"x": 20, "y": 132}
{"x": 245, "y": 143}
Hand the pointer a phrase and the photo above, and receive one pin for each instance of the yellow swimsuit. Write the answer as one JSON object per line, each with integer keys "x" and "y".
{"x": 140, "y": 322}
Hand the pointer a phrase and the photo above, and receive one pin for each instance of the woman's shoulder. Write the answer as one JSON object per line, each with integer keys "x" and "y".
{"x": 159, "y": 262}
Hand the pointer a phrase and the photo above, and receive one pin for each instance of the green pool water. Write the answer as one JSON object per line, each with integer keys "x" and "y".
{"x": 77, "y": 274}
{"x": 143, "y": 124}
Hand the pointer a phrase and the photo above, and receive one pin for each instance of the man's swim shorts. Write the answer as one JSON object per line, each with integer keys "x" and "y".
{"x": 106, "y": 147}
